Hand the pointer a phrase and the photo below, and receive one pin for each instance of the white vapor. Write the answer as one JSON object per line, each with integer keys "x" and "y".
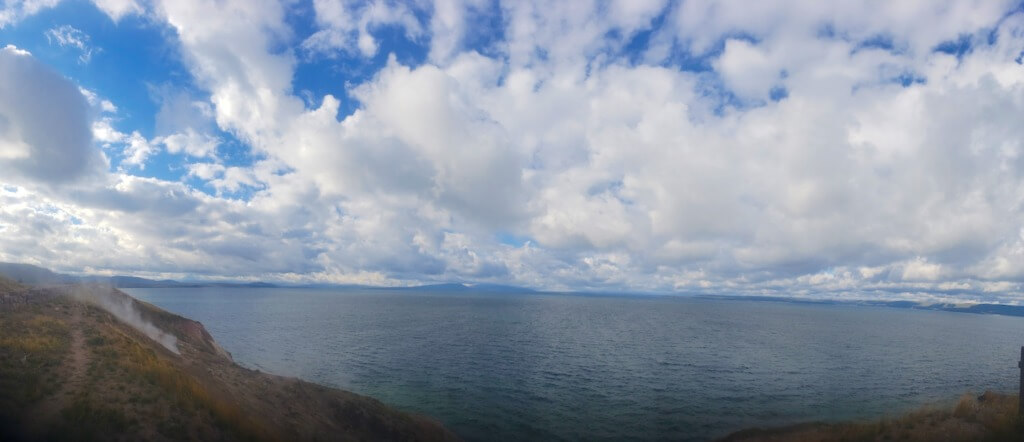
{"x": 123, "y": 308}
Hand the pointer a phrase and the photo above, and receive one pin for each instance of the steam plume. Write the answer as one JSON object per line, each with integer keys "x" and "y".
{"x": 123, "y": 308}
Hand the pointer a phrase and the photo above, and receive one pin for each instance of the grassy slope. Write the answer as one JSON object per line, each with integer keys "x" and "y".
{"x": 989, "y": 417}
{"x": 33, "y": 344}
{"x": 71, "y": 371}
{"x": 6, "y": 285}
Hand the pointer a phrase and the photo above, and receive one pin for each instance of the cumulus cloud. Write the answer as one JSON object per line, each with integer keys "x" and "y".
{"x": 224, "y": 179}
{"x": 822, "y": 149}
{"x": 137, "y": 150}
{"x": 346, "y": 26}
{"x": 183, "y": 126}
{"x": 190, "y": 143}
{"x": 45, "y": 133}
{"x": 634, "y": 172}
{"x": 119, "y": 8}
{"x": 13, "y": 10}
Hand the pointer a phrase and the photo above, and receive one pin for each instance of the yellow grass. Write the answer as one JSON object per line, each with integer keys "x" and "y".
{"x": 7, "y": 285}
{"x": 145, "y": 363}
{"x": 32, "y": 347}
{"x": 36, "y": 335}
{"x": 989, "y": 417}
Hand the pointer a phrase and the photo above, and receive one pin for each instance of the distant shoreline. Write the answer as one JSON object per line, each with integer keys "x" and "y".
{"x": 33, "y": 275}
{"x": 983, "y": 309}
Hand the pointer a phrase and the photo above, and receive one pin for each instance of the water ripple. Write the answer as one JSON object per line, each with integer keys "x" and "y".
{"x": 540, "y": 367}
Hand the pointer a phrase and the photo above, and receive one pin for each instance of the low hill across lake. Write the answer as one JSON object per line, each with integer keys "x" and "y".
{"x": 88, "y": 362}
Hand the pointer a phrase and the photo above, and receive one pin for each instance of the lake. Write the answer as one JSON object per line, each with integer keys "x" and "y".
{"x": 568, "y": 367}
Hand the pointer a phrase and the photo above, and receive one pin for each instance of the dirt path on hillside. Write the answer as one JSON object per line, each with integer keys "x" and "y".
{"x": 78, "y": 355}
{"x": 73, "y": 372}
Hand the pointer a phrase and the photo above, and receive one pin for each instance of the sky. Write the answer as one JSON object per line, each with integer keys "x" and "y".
{"x": 842, "y": 149}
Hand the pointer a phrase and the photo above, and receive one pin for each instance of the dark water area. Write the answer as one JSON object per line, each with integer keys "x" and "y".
{"x": 562, "y": 367}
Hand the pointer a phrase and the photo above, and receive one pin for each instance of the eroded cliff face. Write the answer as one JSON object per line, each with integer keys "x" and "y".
{"x": 73, "y": 367}
{"x": 193, "y": 332}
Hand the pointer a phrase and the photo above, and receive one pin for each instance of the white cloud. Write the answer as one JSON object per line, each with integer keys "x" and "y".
{"x": 921, "y": 270}
{"x": 138, "y": 150}
{"x": 224, "y": 178}
{"x": 103, "y": 105}
{"x": 68, "y": 36}
{"x": 635, "y": 162}
{"x": 45, "y": 133}
{"x": 104, "y": 132}
{"x": 249, "y": 85}
{"x": 747, "y": 70}
{"x": 119, "y": 8}
{"x": 135, "y": 148}
{"x": 917, "y": 26}
{"x": 190, "y": 143}
{"x": 11, "y": 11}
{"x": 884, "y": 170}
{"x": 349, "y": 26}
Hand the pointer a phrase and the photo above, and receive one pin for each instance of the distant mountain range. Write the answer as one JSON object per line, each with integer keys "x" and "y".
{"x": 30, "y": 274}
{"x": 34, "y": 275}
{"x": 455, "y": 287}
{"x": 984, "y": 309}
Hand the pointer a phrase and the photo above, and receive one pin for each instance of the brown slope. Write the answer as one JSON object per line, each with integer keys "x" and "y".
{"x": 989, "y": 417}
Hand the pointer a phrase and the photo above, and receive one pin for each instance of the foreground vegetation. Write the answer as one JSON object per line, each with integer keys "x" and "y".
{"x": 989, "y": 417}
{"x": 69, "y": 370}
{"x": 32, "y": 348}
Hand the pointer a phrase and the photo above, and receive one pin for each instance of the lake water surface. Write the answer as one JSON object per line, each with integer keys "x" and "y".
{"x": 564, "y": 367}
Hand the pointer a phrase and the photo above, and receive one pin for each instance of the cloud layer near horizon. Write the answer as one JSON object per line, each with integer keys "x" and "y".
{"x": 821, "y": 149}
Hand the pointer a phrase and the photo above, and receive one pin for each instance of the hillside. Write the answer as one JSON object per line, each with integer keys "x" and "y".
{"x": 72, "y": 368}
{"x": 989, "y": 417}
